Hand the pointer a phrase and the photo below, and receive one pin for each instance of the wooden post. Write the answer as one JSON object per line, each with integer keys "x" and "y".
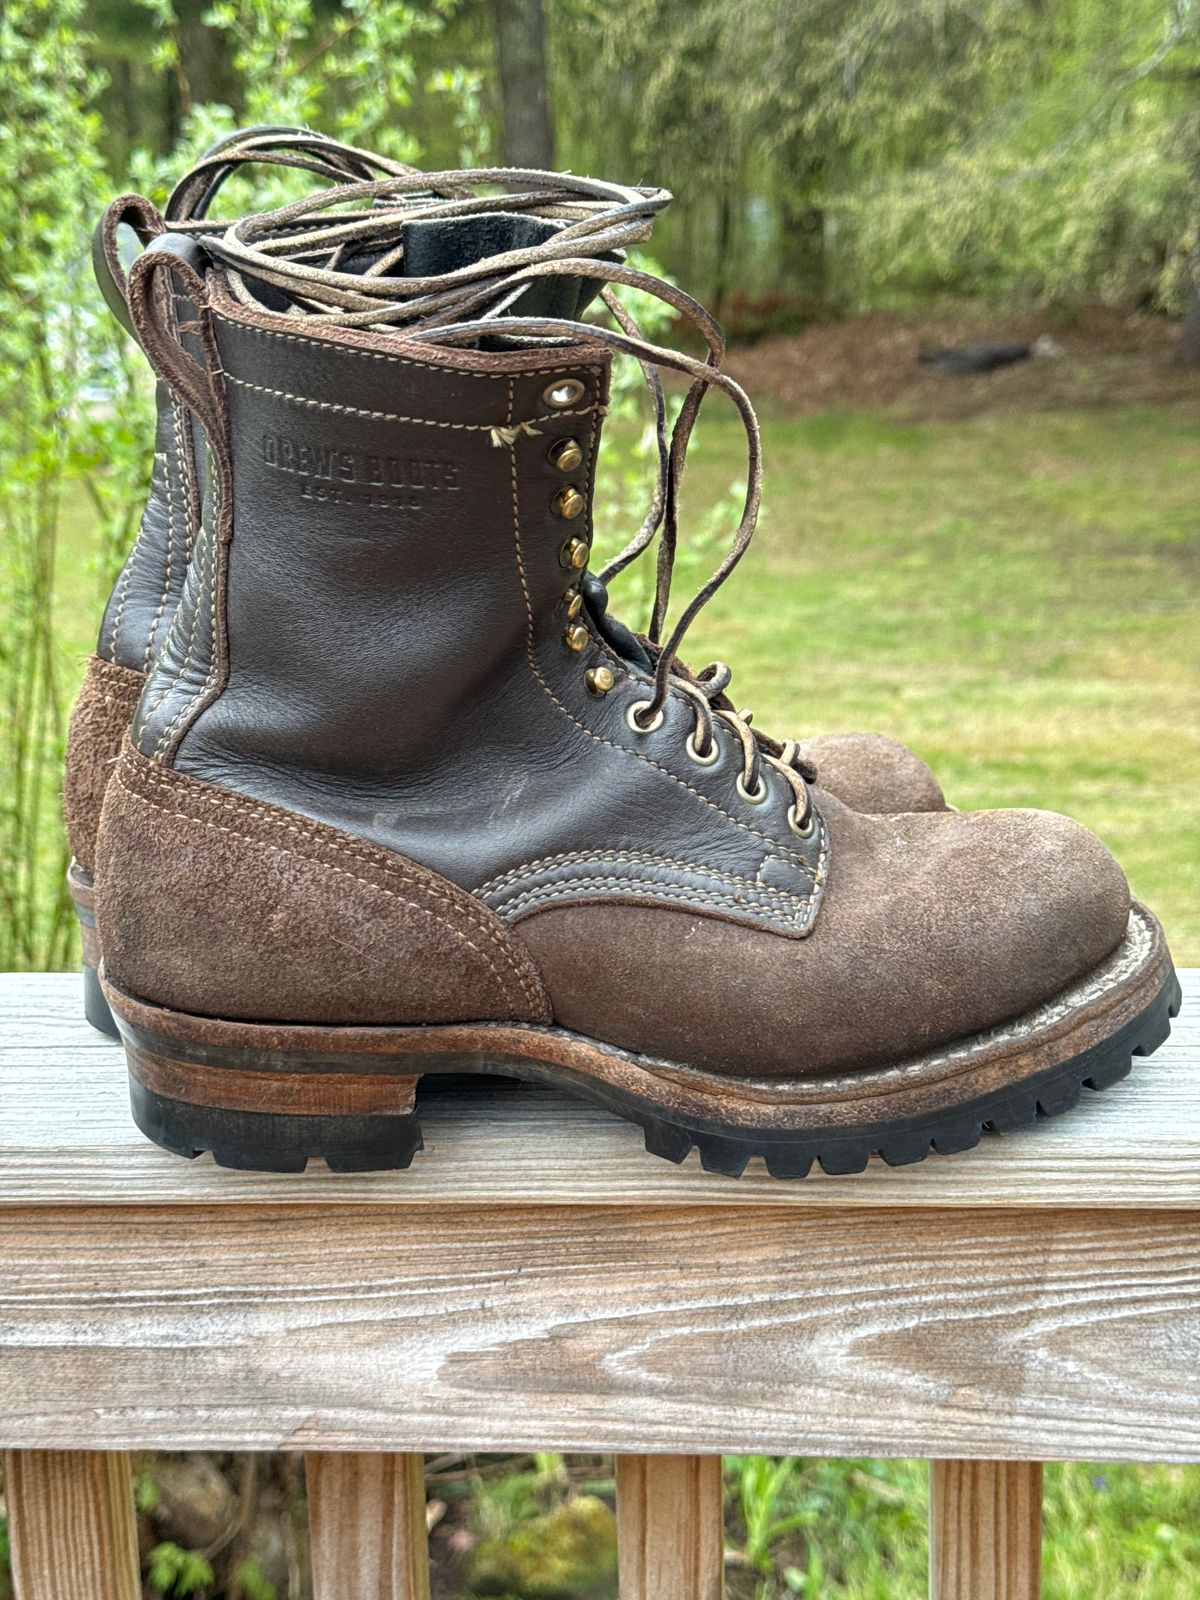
{"x": 366, "y": 1518}
{"x": 71, "y": 1525}
{"x": 670, "y": 1527}
{"x": 985, "y": 1530}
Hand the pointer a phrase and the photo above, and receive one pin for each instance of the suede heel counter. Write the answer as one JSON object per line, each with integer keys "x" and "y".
{"x": 96, "y": 736}
{"x": 231, "y": 907}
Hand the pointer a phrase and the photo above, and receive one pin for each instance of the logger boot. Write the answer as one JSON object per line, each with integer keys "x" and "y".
{"x": 869, "y": 772}
{"x": 401, "y": 798}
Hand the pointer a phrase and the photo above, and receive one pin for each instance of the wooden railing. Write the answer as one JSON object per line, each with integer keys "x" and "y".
{"x": 537, "y": 1281}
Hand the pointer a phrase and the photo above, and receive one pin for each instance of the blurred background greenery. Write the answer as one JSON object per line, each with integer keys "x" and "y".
{"x": 1000, "y": 569}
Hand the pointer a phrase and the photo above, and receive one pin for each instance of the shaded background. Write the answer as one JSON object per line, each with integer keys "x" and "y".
{"x": 999, "y": 568}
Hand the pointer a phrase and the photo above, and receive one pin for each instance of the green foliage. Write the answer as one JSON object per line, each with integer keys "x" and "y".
{"x": 249, "y": 1580}
{"x": 870, "y": 150}
{"x": 178, "y": 1574}
{"x": 54, "y": 360}
{"x": 569, "y": 1553}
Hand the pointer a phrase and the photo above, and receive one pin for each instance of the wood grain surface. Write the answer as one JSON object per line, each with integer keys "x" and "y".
{"x": 985, "y": 1530}
{"x": 995, "y": 1333}
{"x": 71, "y": 1525}
{"x": 670, "y": 1527}
{"x": 366, "y": 1519}
{"x": 66, "y": 1138}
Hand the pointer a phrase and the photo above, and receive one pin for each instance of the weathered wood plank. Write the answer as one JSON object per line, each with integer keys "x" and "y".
{"x": 1014, "y": 1335}
{"x": 366, "y": 1518}
{"x": 985, "y": 1530}
{"x": 71, "y": 1525}
{"x": 670, "y": 1527}
{"x": 66, "y": 1137}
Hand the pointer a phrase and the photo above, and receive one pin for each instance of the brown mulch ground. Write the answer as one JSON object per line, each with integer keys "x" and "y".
{"x": 1108, "y": 358}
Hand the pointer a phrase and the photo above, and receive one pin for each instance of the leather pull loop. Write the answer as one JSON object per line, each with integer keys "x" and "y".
{"x": 152, "y": 286}
{"x": 136, "y": 212}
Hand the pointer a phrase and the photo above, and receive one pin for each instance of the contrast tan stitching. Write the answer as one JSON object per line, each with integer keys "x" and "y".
{"x": 692, "y": 893}
{"x": 362, "y": 852}
{"x": 582, "y": 726}
{"x": 127, "y": 573}
{"x": 171, "y": 514}
{"x": 633, "y": 858}
{"x": 283, "y": 849}
{"x": 392, "y": 416}
{"x": 406, "y": 361}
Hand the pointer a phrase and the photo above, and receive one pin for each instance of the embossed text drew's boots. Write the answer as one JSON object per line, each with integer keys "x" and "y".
{"x": 396, "y": 781}
{"x": 867, "y": 771}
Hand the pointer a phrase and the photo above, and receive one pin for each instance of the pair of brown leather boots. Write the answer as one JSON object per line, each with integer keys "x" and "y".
{"x": 365, "y": 782}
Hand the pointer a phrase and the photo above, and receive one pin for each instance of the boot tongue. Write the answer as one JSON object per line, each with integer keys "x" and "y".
{"x": 446, "y": 244}
{"x": 623, "y": 641}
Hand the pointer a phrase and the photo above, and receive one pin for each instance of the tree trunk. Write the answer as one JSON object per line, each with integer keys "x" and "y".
{"x": 528, "y": 136}
{"x": 1187, "y": 351}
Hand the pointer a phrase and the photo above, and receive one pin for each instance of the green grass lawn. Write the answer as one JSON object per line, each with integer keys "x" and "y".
{"x": 1016, "y": 596}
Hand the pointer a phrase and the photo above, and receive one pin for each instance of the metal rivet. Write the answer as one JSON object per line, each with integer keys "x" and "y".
{"x": 711, "y": 755}
{"x": 575, "y": 554}
{"x": 633, "y": 714}
{"x": 577, "y": 637}
{"x": 752, "y": 797}
{"x": 572, "y": 603}
{"x": 569, "y": 502}
{"x": 563, "y": 393}
{"x": 565, "y": 454}
{"x": 810, "y": 826}
{"x": 599, "y": 679}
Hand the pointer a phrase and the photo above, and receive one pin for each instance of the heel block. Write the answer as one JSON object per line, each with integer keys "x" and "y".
{"x": 269, "y": 1108}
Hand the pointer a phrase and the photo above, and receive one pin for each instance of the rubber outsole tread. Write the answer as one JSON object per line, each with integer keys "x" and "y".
{"x": 261, "y": 1141}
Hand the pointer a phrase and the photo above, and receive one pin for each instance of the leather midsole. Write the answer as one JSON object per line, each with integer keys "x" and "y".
{"x": 193, "y": 1053}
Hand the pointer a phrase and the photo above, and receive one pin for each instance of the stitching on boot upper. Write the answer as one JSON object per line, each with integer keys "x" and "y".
{"x": 633, "y": 858}
{"x": 399, "y": 361}
{"x": 169, "y": 573}
{"x": 392, "y": 416}
{"x": 172, "y": 784}
{"x": 777, "y": 847}
{"x": 210, "y": 578}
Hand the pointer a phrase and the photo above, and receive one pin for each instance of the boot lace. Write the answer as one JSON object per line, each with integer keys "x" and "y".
{"x": 305, "y": 252}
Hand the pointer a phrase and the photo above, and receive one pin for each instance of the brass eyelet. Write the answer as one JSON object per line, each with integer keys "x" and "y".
{"x": 599, "y": 680}
{"x": 713, "y": 754}
{"x": 631, "y": 717}
{"x": 572, "y": 603}
{"x": 809, "y": 828}
{"x": 577, "y": 637}
{"x": 562, "y": 393}
{"x": 564, "y": 455}
{"x": 569, "y": 503}
{"x": 574, "y": 554}
{"x": 752, "y": 797}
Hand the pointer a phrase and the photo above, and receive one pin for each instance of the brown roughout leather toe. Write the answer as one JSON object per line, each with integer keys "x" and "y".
{"x": 934, "y": 926}
{"x": 872, "y": 773}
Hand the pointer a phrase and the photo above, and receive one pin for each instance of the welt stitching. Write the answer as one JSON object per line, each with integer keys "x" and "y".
{"x": 344, "y": 872}
{"x": 691, "y": 892}
{"x": 246, "y": 806}
{"x": 392, "y": 416}
{"x": 401, "y": 361}
{"x": 635, "y": 858}
{"x": 571, "y": 717}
